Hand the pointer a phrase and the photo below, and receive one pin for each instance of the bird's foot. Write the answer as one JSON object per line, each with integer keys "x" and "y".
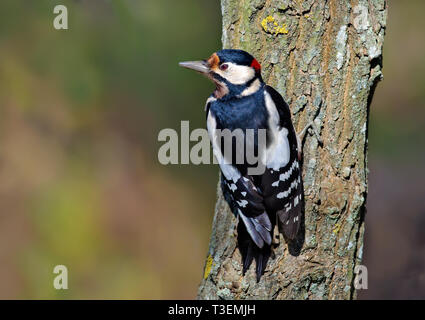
{"x": 301, "y": 135}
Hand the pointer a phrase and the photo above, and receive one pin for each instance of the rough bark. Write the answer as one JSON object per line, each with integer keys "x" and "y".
{"x": 325, "y": 60}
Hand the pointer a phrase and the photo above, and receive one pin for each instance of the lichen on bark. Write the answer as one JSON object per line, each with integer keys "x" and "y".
{"x": 326, "y": 67}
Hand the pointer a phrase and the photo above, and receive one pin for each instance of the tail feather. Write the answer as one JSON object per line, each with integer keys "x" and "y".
{"x": 249, "y": 256}
{"x": 259, "y": 228}
{"x": 250, "y": 251}
{"x": 260, "y": 268}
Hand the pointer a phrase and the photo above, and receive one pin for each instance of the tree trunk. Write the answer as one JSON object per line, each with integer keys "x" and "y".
{"x": 325, "y": 58}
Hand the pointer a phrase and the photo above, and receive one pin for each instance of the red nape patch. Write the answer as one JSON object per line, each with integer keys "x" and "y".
{"x": 255, "y": 65}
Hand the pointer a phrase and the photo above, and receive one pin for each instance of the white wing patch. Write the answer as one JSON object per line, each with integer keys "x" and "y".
{"x": 278, "y": 153}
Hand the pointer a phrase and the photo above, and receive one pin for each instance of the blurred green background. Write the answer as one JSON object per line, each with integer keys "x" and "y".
{"x": 80, "y": 183}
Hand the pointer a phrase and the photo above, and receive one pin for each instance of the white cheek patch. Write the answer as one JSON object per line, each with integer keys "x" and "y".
{"x": 237, "y": 74}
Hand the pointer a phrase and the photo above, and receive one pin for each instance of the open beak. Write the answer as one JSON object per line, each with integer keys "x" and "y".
{"x": 200, "y": 66}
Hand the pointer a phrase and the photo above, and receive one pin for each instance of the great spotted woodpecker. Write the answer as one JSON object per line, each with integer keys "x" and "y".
{"x": 242, "y": 100}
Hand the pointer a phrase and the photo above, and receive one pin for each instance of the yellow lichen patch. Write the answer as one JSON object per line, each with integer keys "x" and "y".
{"x": 270, "y": 25}
{"x": 208, "y": 267}
{"x": 336, "y": 228}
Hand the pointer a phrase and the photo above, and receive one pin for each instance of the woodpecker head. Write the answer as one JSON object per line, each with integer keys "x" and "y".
{"x": 234, "y": 72}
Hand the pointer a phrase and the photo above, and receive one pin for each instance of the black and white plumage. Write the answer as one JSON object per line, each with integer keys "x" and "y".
{"x": 243, "y": 101}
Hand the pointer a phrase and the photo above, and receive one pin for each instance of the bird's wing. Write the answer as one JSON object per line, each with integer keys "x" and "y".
{"x": 241, "y": 193}
{"x": 281, "y": 182}
{"x": 248, "y": 203}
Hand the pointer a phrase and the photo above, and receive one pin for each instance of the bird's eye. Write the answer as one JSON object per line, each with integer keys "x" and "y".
{"x": 224, "y": 66}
